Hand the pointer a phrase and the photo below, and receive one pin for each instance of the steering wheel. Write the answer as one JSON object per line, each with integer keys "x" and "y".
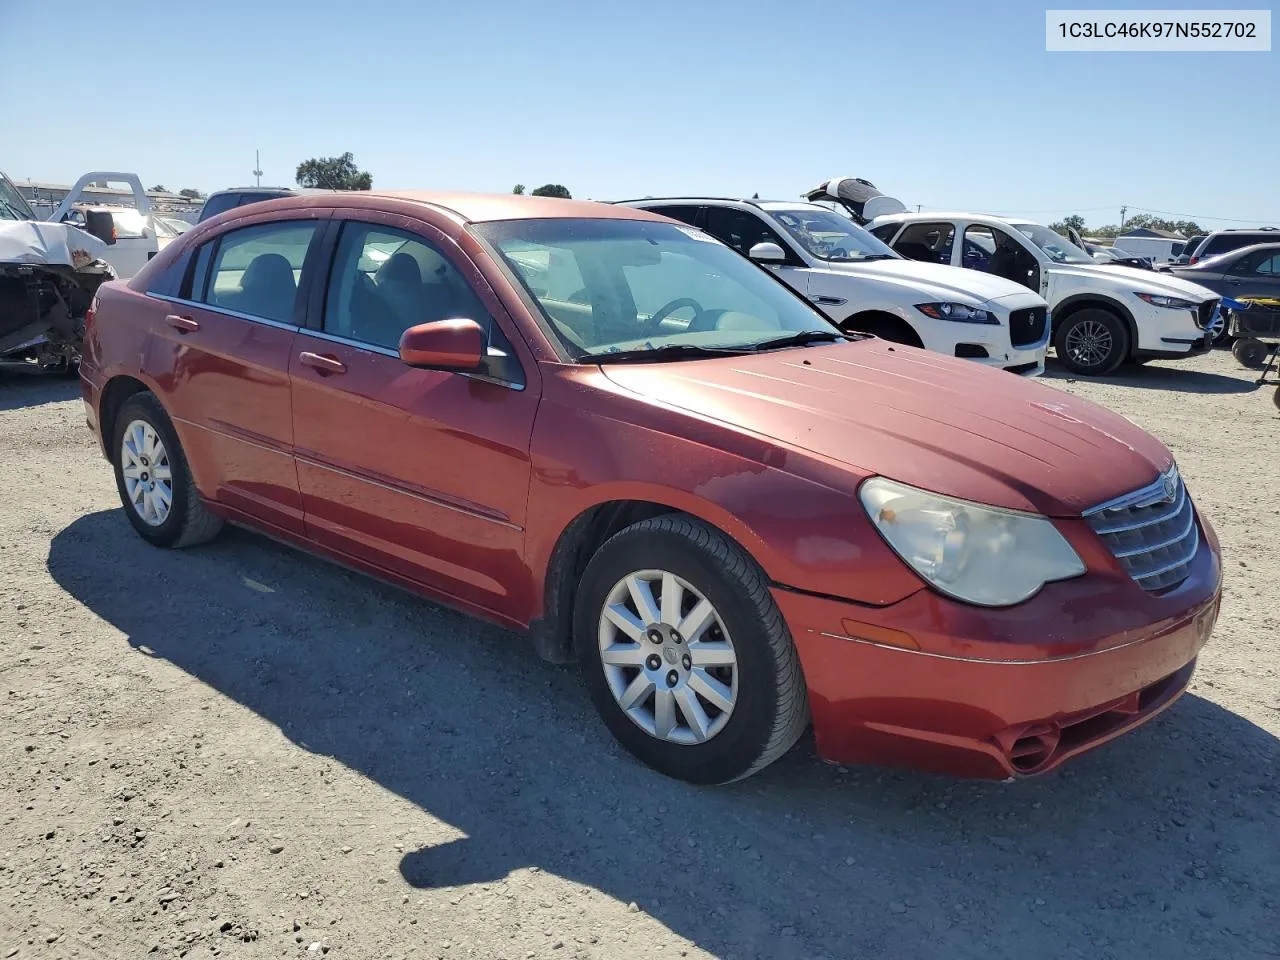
{"x": 668, "y": 308}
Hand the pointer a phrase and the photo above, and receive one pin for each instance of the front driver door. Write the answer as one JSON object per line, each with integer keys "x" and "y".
{"x": 422, "y": 473}
{"x": 1255, "y": 274}
{"x": 743, "y": 230}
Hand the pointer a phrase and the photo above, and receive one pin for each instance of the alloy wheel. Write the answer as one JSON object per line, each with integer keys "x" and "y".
{"x": 667, "y": 657}
{"x": 1089, "y": 343}
{"x": 148, "y": 476}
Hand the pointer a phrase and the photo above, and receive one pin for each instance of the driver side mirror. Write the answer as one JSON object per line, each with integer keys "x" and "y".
{"x": 767, "y": 252}
{"x": 457, "y": 344}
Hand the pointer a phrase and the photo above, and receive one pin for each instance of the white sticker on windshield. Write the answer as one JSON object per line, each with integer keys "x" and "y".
{"x": 697, "y": 234}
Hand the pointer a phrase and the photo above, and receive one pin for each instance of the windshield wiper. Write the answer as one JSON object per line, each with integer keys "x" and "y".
{"x": 799, "y": 340}
{"x": 672, "y": 351}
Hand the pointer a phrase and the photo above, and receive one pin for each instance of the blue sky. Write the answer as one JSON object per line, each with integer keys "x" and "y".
{"x": 946, "y": 104}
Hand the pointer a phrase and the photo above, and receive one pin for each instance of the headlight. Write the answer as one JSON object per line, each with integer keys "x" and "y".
{"x": 981, "y": 555}
{"x": 1169, "y": 303}
{"x": 959, "y": 312}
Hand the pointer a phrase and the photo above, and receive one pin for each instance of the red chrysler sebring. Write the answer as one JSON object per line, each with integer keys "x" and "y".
{"x": 611, "y": 431}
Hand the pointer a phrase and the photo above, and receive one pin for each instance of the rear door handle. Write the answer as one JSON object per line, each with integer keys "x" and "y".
{"x": 182, "y": 324}
{"x": 322, "y": 363}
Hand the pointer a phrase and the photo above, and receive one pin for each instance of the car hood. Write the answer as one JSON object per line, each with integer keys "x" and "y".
{"x": 1134, "y": 280}
{"x": 934, "y": 279}
{"x": 946, "y": 425}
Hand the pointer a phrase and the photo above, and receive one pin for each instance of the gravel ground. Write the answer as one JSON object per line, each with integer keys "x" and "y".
{"x": 239, "y": 750}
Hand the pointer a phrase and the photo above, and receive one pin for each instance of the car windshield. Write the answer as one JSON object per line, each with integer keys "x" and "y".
{"x": 1055, "y": 246}
{"x": 829, "y": 236}
{"x": 608, "y": 286}
{"x": 12, "y": 204}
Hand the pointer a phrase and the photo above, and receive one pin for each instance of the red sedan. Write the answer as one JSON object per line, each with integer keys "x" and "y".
{"x": 610, "y": 431}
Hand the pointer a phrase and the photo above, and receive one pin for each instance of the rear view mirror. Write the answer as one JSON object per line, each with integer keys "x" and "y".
{"x": 767, "y": 253}
{"x": 457, "y": 344}
{"x": 100, "y": 224}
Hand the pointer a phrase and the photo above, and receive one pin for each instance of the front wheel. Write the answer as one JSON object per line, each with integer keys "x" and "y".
{"x": 1091, "y": 343}
{"x": 686, "y": 656}
{"x": 155, "y": 484}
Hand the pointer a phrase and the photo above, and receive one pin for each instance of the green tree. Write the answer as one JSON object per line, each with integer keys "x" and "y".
{"x": 159, "y": 188}
{"x": 553, "y": 190}
{"x": 1073, "y": 222}
{"x": 1187, "y": 228}
{"x": 518, "y": 189}
{"x": 333, "y": 173}
{"x": 191, "y": 193}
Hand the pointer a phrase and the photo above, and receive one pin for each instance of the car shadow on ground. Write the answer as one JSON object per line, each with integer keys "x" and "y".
{"x": 1158, "y": 377}
{"x": 1160, "y": 844}
{"x": 19, "y": 389}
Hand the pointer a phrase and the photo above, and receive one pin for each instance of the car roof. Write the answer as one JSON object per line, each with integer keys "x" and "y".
{"x": 468, "y": 207}
{"x": 682, "y": 201}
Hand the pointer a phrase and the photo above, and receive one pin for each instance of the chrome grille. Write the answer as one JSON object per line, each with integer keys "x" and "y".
{"x": 1152, "y": 532}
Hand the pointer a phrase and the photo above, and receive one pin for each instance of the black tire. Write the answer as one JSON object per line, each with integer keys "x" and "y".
{"x": 1088, "y": 321}
{"x": 1250, "y": 352}
{"x": 893, "y": 329}
{"x": 188, "y": 522}
{"x": 1275, "y": 397}
{"x": 772, "y": 707}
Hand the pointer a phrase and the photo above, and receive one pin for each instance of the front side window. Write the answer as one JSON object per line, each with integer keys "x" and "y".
{"x": 885, "y": 231}
{"x": 1055, "y": 246}
{"x": 649, "y": 286}
{"x": 740, "y": 229}
{"x": 829, "y": 236}
{"x": 256, "y": 270}
{"x": 684, "y": 212}
{"x": 385, "y": 281}
{"x": 13, "y": 206}
{"x": 991, "y": 250}
{"x": 928, "y": 242}
{"x": 129, "y": 224}
{"x": 219, "y": 203}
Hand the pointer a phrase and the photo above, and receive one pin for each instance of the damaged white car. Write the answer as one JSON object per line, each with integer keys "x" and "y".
{"x": 49, "y": 274}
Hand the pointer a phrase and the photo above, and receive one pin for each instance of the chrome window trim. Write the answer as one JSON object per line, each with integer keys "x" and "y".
{"x": 387, "y": 352}
{"x": 213, "y": 308}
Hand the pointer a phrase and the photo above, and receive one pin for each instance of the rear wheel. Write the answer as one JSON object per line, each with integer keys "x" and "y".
{"x": 1091, "y": 342}
{"x": 155, "y": 485}
{"x": 685, "y": 654}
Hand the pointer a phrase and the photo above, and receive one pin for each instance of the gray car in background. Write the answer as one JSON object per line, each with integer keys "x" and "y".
{"x": 1252, "y": 271}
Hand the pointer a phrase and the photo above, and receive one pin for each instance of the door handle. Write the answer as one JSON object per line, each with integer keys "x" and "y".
{"x": 322, "y": 363}
{"x": 182, "y": 324}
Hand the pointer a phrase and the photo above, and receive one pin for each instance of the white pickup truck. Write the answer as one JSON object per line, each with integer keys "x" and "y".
{"x": 130, "y": 232}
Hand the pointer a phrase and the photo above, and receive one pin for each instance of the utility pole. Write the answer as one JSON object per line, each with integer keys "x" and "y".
{"x": 1122, "y": 210}
{"x": 918, "y": 206}
{"x": 257, "y": 170}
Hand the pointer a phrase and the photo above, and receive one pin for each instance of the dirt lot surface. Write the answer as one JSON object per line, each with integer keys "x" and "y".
{"x": 240, "y": 751}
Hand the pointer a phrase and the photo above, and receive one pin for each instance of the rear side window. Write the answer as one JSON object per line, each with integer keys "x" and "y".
{"x": 219, "y": 203}
{"x": 928, "y": 242}
{"x": 686, "y": 213}
{"x": 256, "y": 270}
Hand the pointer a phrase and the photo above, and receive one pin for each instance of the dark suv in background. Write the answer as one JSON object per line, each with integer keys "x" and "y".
{"x": 225, "y": 200}
{"x": 1224, "y": 241}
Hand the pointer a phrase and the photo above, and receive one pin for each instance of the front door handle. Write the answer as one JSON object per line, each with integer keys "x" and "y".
{"x": 322, "y": 363}
{"x": 182, "y": 324}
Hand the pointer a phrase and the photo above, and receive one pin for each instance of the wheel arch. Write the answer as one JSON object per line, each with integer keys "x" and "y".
{"x": 882, "y": 317}
{"x": 552, "y": 632}
{"x": 1093, "y": 301}
{"x": 115, "y": 393}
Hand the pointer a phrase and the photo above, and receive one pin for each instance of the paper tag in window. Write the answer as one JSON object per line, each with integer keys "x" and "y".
{"x": 695, "y": 234}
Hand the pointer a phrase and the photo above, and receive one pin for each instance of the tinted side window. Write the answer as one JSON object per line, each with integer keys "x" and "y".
{"x": 256, "y": 269}
{"x": 994, "y": 251}
{"x": 385, "y": 281}
{"x": 929, "y": 242}
{"x": 686, "y": 213}
{"x": 740, "y": 229}
{"x": 884, "y": 231}
{"x": 1226, "y": 242}
{"x": 218, "y": 203}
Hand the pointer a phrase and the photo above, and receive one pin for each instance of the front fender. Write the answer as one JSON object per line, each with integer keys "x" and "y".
{"x": 800, "y": 519}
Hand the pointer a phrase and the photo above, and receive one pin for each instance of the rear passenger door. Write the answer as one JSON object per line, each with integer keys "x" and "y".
{"x": 423, "y": 474}
{"x": 222, "y": 356}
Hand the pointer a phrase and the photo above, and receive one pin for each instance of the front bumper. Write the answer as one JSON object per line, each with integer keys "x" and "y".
{"x": 938, "y": 685}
